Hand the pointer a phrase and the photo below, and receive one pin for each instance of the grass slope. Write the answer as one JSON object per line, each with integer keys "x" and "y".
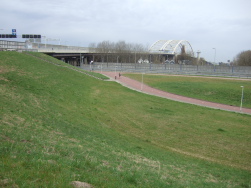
{"x": 219, "y": 90}
{"x": 58, "y": 125}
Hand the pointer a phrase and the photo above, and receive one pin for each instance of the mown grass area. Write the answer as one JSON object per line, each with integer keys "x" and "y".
{"x": 219, "y": 90}
{"x": 59, "y": 125}
{"x": 61, "y": 63}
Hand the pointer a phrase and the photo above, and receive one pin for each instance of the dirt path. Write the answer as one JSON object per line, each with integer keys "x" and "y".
{"x": 136, "y": 85}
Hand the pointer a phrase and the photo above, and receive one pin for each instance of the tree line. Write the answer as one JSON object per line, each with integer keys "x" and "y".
{"x": 243, "y": 58}
{"x": 122, "y": 52}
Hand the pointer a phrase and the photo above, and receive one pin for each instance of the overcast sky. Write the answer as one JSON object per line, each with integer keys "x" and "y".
{"x": 221, "y": 24}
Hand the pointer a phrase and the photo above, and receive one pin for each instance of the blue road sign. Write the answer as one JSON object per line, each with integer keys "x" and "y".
{"x": 14, "y": 31}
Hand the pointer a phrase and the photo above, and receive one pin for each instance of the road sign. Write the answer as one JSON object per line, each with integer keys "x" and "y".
{"x": 31, "y": 36}
{"x": 8, "y": 36}
{"x": 14, "y": 32}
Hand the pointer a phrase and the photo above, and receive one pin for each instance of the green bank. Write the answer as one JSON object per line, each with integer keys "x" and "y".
{"x": 60, "y": 125}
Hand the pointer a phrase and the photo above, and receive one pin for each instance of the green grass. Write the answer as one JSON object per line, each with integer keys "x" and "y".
{"x": 59, "y": 125}
{"x": 219, "y": 90}
{"x": 61, "y": 63}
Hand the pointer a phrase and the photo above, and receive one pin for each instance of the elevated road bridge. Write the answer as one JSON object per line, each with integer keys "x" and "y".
{"x": 82, "y": 56}
{"x": 159, "y": 52}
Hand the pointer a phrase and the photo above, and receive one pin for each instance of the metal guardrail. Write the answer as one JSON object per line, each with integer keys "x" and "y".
{"x": 40, "y": 47}
{"x": 56, "y": 50}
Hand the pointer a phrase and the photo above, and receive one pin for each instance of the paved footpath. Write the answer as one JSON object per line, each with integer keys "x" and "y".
{"x": 138, "y": 86}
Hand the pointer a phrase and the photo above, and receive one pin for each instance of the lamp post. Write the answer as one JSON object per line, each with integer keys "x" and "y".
{"x": 115, "y": 71}
{"x": 116, "y": 66}
{"x": 214, "y": 54}
{"x": 242, "y": 90}
{"x": 142, "y": 81}
{"x": 91, "y": 65}
{"x": 102, "y": 63}
{"x": 135, "y": 56}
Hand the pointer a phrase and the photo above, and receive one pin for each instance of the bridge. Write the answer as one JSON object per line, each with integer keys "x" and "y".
{"x": 171, "y": 47}
{"x": 159, "y": 52}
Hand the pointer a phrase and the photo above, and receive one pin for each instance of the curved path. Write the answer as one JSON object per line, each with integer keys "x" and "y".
{"x": 136, "y": 85}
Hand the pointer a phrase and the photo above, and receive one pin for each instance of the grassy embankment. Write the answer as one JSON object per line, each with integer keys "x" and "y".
{"x": 219, "y": 90}
{"x": 58, "y": 125}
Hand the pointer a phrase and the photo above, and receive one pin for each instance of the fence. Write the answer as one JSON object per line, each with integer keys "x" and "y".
{"x": 213, "y": 70}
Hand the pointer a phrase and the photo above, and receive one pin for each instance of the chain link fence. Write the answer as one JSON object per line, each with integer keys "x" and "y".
{"x": 212, "y": 70}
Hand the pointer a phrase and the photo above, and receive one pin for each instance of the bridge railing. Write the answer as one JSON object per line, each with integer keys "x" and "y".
{"x": 41, "y": 47}
{"x": 59, "y": 48}
{"x": 66, "y": 50}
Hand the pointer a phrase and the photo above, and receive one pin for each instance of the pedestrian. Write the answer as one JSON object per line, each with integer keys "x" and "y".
{"x": 119, "y": 74}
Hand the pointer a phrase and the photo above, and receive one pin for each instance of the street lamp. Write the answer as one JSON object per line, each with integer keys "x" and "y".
{"x": 91, "y": 65}
{"x": 117, "y": 59}
{"x": 102, "y": 63}
{"x": 242, "y": 90}
{"x": 142, "y": 81}
{"x": 116, "y": 66}
{"x": 135, "y": 57}
{"x": 214, "y": 54}
{"x": 115, "y": 71}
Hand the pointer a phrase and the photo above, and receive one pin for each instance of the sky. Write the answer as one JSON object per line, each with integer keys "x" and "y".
{"x": 219, "y": 29}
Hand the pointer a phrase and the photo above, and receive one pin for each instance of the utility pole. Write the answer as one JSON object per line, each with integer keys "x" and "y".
{"x": 198, "y": 57}
{"x": 214, "y": 54}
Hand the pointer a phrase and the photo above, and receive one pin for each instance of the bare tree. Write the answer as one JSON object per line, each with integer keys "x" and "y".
{"x": 243, "y": 58}
{"x": 92, "y": 47}
{"x": 138, "y": 51}
{"x": 119, "y": 51}
{"x": 105, "y": 49}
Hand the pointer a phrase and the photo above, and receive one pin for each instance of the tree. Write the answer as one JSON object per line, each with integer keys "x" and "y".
{"x": 105, "y": 48}
{"x": 119, "y": 51}
{"x": 92, "y": 47}
{"x": 184, "y": 57}
{"x": 243, "y": 58}
{"x": 202, "y": 61}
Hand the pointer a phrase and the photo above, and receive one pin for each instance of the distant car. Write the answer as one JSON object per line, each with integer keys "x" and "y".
{"x": 140, "y": 60}
{"x": 169, "y": 62}
{"x": 146, "y": 61}
{"x": 143, "y": 61}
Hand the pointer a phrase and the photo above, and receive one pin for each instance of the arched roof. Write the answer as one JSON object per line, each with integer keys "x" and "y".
{"x": 171, "y": 47}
